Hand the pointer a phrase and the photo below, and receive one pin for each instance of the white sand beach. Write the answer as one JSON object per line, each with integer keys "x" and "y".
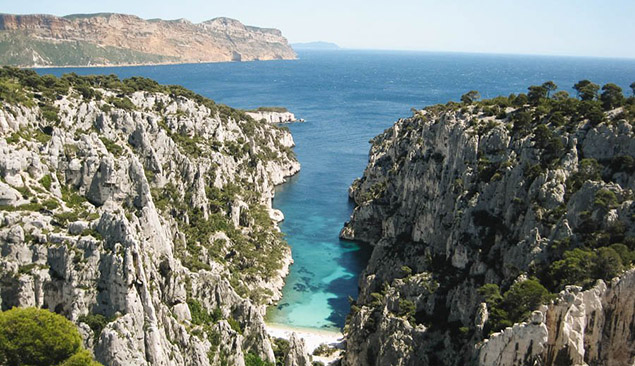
{"x": 312, "y": 338}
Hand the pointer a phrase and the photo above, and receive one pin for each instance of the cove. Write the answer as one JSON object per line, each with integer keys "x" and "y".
{"x": 348, "y": 97}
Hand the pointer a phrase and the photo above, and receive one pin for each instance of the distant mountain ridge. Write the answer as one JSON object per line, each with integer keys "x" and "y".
{"x": 118, "y": 39}
{"x": 315, "y": 46}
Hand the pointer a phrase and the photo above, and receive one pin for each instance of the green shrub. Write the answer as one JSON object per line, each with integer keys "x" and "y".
{"x": 572, "y": 269}
{"x": 49, "y": 112}
{"x": 12, "y": 92}
{"x": 67, "y": 216}
{"x": 582, "y": 267}
{"x": 280, "y": 348}
{"x": 270, "y": 109}
{"x": 112, "y": 146}
{"x": 515, "y": 305}
{"x": 27, "y": 268}
{"x": 201, "y": 316}
{"x": 235, "y": 325}
{"x": 96, "y": 322}
{"x": 81, "y": 358}
{"x": 324, "y": 350}
{"x": 523, "y": 297}
{"x": 71, "y": 197}
{"x": 50, "y": 204}
{"x": 407, "y": 271}
{"x": 407, "y": 309}
{"x": 622, "y": 164}
{"x": 588, "y": 170}
{"x": 627, "y": 256}
{"x": 37, "y": 337}
{"x": 521, "y": 122}
{"x": 122, "y": 103}
{"x": 251, "y": 359}
{"x": 550, "y": 143}
{"x": 605, "y": 199}
{"x": 46, "y": 181}
{"x": 490, "y": 293}
{"x": 607, "y": 264}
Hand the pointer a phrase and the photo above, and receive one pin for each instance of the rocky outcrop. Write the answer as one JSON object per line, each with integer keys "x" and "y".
{"x": 118, "y": 212}
{"x": 591, "y": 327}
{"x": 297, "y": 354}
{"x": 272, "y": 117}
{"x": 457, "y": 197}
{"x": 117, "y": 39}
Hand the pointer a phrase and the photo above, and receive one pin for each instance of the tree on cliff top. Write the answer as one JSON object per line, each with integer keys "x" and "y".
{"x": 586, "y": 89}
{"x": 470, "y": 96}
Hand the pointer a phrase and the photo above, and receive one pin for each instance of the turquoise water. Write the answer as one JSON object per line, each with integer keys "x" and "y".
{"x": 347, "y": 97}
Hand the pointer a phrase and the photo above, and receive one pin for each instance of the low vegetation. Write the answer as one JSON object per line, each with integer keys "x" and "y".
{"x": 270, "y": 109}
{"x": 38, "y": 337}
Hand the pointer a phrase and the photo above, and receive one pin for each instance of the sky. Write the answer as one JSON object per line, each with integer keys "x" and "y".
{"x": 598, "y": 28}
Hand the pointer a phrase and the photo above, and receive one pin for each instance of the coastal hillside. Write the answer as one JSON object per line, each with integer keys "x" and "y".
{"x": 323, "y": 46}
{"x": 142, "y": 213}
{"x": 503, "y": 233}
{"x": 120, "y": 39}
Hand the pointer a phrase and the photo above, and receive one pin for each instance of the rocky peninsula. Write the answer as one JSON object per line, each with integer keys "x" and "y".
{"x": 503, "y": 233}
{"x": 108, "y": 39}
{"x": 273, "y": 115}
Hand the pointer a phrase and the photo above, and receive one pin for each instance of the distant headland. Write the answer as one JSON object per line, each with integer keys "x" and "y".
{"x": 315, "y": 46}
{"x": 108, "y": 39}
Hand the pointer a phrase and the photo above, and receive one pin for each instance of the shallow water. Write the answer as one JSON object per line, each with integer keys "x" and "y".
{"x": 347, "y": 97}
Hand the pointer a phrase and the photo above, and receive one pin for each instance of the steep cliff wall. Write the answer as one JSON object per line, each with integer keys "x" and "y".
{"x": 592, "y": 327}
{"x": 476, "y": 212}
{"x": 112, "y": 39}
{"x": 143, "y": 214}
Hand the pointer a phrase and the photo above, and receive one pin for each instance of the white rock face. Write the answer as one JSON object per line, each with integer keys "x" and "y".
{"x": 581, "y": 328}
{"x": 146, "y": 217}
{"x": 454, "y": 199}
{"x": 272, "y": 117}
{"x": 297, "y": 355}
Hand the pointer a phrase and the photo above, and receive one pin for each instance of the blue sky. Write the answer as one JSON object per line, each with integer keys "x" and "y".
{"x": 602, "y": 28}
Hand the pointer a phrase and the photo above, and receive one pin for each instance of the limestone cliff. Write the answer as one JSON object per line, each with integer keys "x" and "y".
{"x": 142, "y": 213}
{"x": 476, "y": 213}
{"x": 118, "y": 39}
{"x": 580, "y": 327}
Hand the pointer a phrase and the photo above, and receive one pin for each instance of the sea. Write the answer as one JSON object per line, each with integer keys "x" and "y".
{"x": 346, "y": 97}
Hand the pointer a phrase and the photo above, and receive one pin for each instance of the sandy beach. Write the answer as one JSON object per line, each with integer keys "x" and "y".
{"x": 312, "y": 338}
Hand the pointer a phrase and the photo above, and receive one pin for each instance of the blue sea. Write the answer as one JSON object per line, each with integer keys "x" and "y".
{"x": 346, "y": 98}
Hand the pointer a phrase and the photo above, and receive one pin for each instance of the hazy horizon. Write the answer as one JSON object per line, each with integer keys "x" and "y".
{"x": 567, "y": 28}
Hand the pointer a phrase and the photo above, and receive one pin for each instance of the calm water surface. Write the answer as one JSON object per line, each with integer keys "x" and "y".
{"x": 347, "y": 97}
